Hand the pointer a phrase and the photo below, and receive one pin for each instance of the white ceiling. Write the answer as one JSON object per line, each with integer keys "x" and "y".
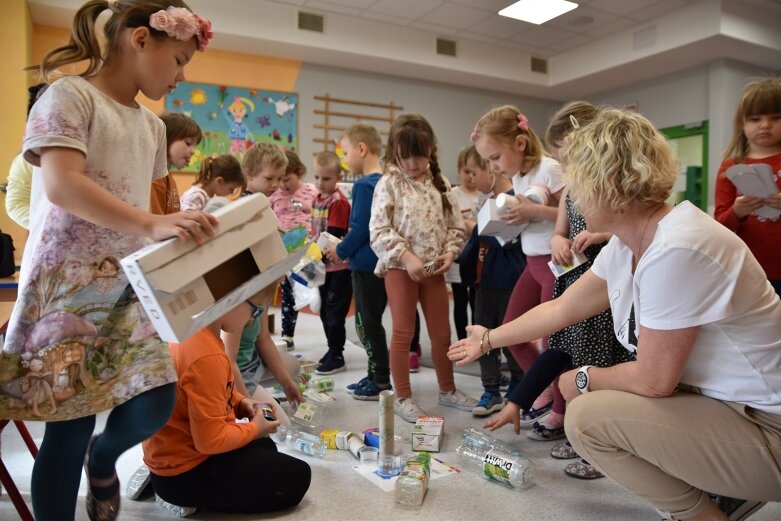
{"x": 600, "y": 45}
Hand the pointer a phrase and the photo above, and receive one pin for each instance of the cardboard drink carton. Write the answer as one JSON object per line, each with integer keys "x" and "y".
{"x": 427, "y": 433}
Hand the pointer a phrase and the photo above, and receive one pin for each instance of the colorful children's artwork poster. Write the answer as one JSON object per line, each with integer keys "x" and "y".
{"x": 233, "y": 118}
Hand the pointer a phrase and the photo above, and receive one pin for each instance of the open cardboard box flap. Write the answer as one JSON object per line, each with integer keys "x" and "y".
{"x": 184, "y": 287}
{"x": 246, "y": 215}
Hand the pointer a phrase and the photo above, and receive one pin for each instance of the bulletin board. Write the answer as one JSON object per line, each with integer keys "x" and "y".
{"x": 232, "y": 119}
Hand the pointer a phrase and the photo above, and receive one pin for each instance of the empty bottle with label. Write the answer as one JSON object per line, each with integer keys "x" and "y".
{"x": 412, "y": 483}
{"x": 482, "y": 440}
{"x": 302, "y": 441}
{"x": 498, "y": 465}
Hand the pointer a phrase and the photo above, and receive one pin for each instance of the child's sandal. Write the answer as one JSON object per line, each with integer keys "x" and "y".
{"x": 583, "y": 470}
{"x": 563, "y": 451}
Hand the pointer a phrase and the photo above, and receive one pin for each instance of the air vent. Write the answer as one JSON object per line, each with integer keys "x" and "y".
{"x": 539, "y": 65}
{"x": 311, "y": 22}
{"x": 446, "y": 47}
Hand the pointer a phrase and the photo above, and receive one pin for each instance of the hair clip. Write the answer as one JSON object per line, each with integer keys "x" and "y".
{"x": 182, "y": 24}
{"x": 473, "y": 135}
{"x": 574, "y": 122}
{"x": 523, "y": 123}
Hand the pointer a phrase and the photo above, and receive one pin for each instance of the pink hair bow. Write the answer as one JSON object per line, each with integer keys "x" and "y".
{"x": 182, "y": 24}
{"x": 523, "y": 123}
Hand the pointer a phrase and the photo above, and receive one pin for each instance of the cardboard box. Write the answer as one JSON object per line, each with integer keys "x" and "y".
{"x": 427, "y": 433}
{"x": 489, "y": 222}
{"x": 184, "y": 287}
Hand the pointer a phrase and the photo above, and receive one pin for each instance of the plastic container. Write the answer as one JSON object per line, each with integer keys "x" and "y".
{"x": 302, "y": 441}
{"x": 412, "y": 483}
{"x": 309, "y": 416}
{"x": 322, "y": 385}
{"x": 483, "y": 440}
{"x": 498, "y": 465}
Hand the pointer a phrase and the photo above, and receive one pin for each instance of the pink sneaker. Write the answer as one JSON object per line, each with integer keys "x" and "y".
{"x": 414, "y": 362}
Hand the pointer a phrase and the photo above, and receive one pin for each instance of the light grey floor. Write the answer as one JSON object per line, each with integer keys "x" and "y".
{"x": 340, "y": 493}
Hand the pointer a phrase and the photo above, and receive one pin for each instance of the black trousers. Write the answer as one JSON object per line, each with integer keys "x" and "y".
{"x": 335, "y": 296}
{"x": 370, "y": 303}
{"x": 253, "y": 479}
{"x": 463, "y": 296}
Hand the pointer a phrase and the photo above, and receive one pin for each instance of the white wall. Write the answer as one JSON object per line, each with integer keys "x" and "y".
{"x": 451, "y": 110}
{"x": 707, "y": 93}
{"x": 668, "y": 101}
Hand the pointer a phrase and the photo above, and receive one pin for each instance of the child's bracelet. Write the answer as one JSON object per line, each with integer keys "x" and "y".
{"x": 486, "y": 339}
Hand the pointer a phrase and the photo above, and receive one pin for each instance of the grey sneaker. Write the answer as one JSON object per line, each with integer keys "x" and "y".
{"x": 138, "y": 483}
{"x": 458, "y": 400}
{"x": 407, "y": 410}
{"x": 175, "y": 509}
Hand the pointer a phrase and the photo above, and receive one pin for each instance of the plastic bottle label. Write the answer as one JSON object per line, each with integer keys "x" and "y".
{"x": 415, "y": 470}
{"x": 497, "y": 468}
{"x": 305, "y": 412}
{"x": 323, "y": 384}
{"x": 305, "y": 446}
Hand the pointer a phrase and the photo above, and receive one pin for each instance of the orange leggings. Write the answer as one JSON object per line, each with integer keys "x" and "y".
{"x": 403, "y": 297}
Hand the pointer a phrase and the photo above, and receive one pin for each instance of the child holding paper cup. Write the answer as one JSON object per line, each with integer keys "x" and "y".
{"x": 505, "y": 139}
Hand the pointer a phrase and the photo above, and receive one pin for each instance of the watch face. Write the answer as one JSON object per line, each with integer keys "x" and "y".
{"x": 581, "y": 379}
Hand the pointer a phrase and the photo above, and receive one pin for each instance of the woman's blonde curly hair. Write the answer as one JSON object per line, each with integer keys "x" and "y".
{"x": 616, "y": 160}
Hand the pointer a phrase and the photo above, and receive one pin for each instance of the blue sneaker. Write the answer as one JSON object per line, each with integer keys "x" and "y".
{"x": 369, "y": 392}
{"x": 490, "y": 402}
{"x": 360, "y": 383}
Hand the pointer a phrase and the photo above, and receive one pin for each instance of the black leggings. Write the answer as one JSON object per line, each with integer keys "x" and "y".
{"x": 540, "y": 375}
{"x": 253, "y": 479}
{"x": 57, "y": 469}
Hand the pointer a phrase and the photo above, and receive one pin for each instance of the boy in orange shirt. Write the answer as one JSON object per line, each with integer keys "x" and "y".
{"x": 202, "y": 443}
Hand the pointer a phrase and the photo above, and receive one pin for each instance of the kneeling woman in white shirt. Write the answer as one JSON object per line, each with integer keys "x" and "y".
{"x": 696, "y": 419}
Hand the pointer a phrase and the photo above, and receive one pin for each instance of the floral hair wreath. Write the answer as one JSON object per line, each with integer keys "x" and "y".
{"x": 182, "y": 24}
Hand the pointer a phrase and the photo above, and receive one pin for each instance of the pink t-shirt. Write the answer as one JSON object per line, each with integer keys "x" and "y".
{"x": 294, "y": 209}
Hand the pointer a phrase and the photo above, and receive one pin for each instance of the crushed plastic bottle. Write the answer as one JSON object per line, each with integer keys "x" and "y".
{"x": 302, "y": 441}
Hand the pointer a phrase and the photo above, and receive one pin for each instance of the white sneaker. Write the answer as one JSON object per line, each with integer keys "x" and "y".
{"x": 458, "y": 400}
{"x": 175, "y": 509}
{"x": 407, "y": 410}
{"x": 138, "y": 483}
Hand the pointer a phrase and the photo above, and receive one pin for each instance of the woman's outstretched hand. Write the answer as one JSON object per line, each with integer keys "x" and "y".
{"x": 467, "y": 350}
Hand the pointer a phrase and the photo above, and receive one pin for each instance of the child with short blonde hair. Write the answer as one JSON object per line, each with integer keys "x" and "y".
{"x": 331, "y": 213}
{"x": 264, "y": 164}
{"x": 220, "y": 177}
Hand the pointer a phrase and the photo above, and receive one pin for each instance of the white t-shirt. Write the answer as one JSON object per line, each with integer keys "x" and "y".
{"x": 696, "y": 272}
{"x": 535, "y": 238}
{"x": 468, "y": 203}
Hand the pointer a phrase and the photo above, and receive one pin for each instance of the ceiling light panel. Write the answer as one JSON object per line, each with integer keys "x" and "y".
{"x": 537, "y": 11}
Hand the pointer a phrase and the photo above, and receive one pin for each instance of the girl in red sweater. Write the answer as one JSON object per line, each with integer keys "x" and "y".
{"x": 757, "y": 139}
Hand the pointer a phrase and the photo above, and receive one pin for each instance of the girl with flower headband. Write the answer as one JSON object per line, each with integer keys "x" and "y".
{"x": 95, "y": 152}
{"x": 504, "y": 138}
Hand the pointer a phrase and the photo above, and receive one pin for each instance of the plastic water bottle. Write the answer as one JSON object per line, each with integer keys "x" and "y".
{"x": 498, "y": 465}
{"x": 302, "y": 441}
{"x": 412, "y": 483}
{"x": 482, "y": 440}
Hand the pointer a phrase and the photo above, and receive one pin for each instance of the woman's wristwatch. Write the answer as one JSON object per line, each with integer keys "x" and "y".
{"x": 581, "y": 379}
